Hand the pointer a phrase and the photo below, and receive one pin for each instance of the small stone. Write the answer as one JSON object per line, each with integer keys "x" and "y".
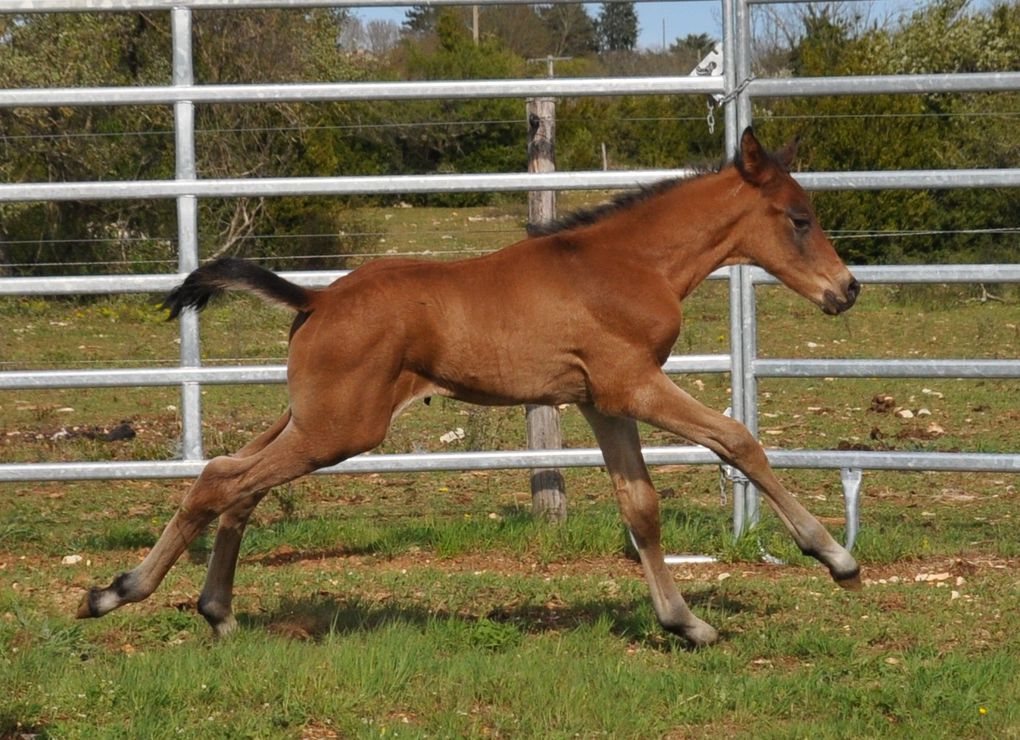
{"x": 452, "y": 436}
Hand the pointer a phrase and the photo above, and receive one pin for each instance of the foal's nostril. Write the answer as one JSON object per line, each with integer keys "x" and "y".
{"x": 853, "y": 290}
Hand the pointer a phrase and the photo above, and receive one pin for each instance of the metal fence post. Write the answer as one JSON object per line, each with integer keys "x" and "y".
{"x": 731, "y": 53}
{"x": 749, "y": 337}
{"x": 742, "y": 305}
{"x": 187, "y": 229}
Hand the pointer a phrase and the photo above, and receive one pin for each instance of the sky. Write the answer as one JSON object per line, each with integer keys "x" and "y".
{"x": 675, "y": 20}
{"x": 658, "y": 21}
{"x": 681, "y": 18}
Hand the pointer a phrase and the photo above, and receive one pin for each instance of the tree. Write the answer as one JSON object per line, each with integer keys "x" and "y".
{"x": 929, "y": 131}
{"x": 572, "y": 30}
{"x": 826, "y": 39}
{"x": 283, "y": 139}
{"x": 352, "y": 34}
{"x": 691, "y": 49}
{"x": 382, "y": 36}
{"x": 617, "y": 27}
{"x": 462, "y": 135}
{"x": 421, "y": 19}
{"x": 518, "y": 28}
{"x": 698, "y": 44}
{"x": 53, "y": 144}
{"x": 868, "y": 132}
{"x": 135, "y": 142}
{"x": 376, "y": 37}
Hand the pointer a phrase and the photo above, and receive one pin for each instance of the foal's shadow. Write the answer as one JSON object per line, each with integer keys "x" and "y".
{"x": 315, "y": 618}
{"x": 200, "y": 550}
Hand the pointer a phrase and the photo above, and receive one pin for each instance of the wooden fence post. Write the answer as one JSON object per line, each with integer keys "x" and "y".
{"x": 548, "y": 496}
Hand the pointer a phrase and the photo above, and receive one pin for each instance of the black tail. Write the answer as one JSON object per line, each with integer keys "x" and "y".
{"x": 216, "y": 277}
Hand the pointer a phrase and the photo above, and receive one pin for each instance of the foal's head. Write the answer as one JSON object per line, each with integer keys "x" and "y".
{"x": 782, "y": 234}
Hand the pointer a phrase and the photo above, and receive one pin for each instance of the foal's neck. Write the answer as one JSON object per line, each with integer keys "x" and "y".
{"x": 685, "y": 232}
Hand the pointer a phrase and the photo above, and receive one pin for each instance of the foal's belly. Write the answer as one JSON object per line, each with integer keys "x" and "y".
{"x": 489, "y": 396}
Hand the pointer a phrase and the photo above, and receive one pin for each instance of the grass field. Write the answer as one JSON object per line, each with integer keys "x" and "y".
{"x": 432, "y": 605}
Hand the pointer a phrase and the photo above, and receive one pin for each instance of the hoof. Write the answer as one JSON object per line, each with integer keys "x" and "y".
{"x": 87, "y": 609}
{"x": 850, "y": 583}
{"x": 843, "y": 568}
{"x": 702, "y": 635}
{"x": 97, "y": 602}
{"x": 848, "y": 576}
{"x": 219, "y": 617}
{"x": 697, "y": 634}
{"x": 224, "y": 628}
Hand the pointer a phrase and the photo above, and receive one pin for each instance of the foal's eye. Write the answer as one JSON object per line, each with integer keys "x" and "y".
{"x": 800, "y": 223}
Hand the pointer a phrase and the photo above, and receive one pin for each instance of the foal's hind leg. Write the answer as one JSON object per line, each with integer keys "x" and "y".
{"x": 639, "y": 506}
{"x": 215, "y": 602}
{"x": 225, "y": 483}
{"x": 217, "y": 594}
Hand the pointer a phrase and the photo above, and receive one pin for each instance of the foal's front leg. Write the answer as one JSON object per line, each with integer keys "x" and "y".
{"x": 660, "y": 402}
{"x": 639, "y": 506}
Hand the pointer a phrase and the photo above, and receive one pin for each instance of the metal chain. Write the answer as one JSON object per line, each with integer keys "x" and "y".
{"x": 713, "y": 103}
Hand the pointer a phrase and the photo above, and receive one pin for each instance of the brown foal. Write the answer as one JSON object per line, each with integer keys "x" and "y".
{"x": 586, "y": 313}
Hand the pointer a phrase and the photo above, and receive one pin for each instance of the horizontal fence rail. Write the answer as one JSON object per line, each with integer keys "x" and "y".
{"x": 470, "y": 89}
{"x": 504, "y": 182}
{"x": 362, "y": 91}
{"x": 233, "y": 374}
{"x": 963, "y": 369}
{"x": 59, "y": 6}
{"x": 525, "y": 459}
{"x": 920, "y": 274}
{"x": 106, "y": 284}
{"x": 918, "y": 84}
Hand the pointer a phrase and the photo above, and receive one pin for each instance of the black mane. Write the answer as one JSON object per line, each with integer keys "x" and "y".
{"x": 620, "y": 202}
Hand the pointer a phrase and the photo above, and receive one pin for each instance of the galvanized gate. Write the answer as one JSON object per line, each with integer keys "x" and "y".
{"x": 735, "y": 91}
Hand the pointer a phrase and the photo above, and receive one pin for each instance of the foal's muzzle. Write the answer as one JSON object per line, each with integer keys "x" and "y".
{"x": 833, "y": 304}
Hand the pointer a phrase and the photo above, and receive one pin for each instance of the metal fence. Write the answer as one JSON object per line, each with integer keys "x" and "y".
{"x": 736, "y": 89}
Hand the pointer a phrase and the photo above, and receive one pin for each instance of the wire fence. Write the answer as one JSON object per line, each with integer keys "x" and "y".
{"x": 982, "y": 117}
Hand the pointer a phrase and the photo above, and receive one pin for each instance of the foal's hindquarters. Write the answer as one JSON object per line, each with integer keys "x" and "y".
{"x": 343, "y": 396}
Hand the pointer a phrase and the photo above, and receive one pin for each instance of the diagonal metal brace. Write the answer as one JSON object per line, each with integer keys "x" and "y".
{"x": 851, "y": 478}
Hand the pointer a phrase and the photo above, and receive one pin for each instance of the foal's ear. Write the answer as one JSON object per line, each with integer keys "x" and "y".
{"x": 788, "y": 153}
{"x": 754, "y": 163}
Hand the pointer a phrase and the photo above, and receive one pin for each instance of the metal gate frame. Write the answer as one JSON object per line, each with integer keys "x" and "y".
{"x": 737, "y": 89}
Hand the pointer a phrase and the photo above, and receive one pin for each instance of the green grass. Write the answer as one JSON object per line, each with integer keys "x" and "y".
{"x": 419, "y": 651}
{"x": 371, "y": 618}
{"x": 433, "y": 605}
